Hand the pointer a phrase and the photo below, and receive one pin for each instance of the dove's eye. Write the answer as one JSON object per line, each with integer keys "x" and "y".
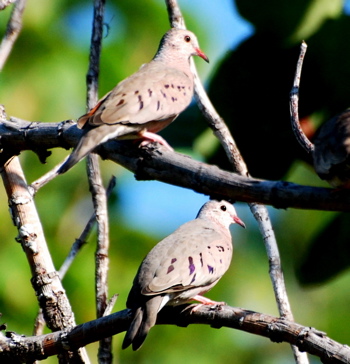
{"x": 187, "y": 38}
{"x": 223, "y": 208}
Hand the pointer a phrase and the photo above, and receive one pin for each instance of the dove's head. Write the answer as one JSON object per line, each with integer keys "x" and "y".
{"x": 180, "y": 43}
{"x": 221, "y": 212}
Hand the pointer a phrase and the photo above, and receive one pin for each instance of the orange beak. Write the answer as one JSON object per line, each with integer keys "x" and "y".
{"x": 238, "y": 221}
{"x": 202, "y": 55}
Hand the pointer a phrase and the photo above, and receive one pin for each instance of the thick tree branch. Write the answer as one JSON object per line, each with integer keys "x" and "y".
{"x": 174, "y": 168}
{"x": 76, "y": 247}
{"x": 277, "y": 329}
{"x": 45, "y": 280}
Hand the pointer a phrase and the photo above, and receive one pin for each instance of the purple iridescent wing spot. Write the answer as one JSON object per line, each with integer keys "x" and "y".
{"x": 191, "y": 265}
{"x": 193, "y": 279}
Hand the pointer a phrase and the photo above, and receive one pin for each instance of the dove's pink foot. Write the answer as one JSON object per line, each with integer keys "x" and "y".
{"x": 152, "y": 137}
{"x": 205, "y": 301}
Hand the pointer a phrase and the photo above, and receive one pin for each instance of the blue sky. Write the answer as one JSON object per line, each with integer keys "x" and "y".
{"x": 227, "y": 28}
{"x": 347, "y": 7}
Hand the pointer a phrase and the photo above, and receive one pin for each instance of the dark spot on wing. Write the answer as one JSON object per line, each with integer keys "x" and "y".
{"x": 201, "y": 259}
{"x": 210, "y": 269}
{"x": 173, "y": 260}
{"x": 193, "y": 278}
{"x": 170, "y": 269}
{"x": 191, "y": 265}
{"x": 136, "y": 92}
{"x": 166, "y": 86}
{"x": 220, "y": 248}
{"x": 150, "y": 92}
{"x": 121, "y": 102}
{"x": 173, "y": 99}
{"x": 141, "y": 102}
{"x": 158, "y": 105}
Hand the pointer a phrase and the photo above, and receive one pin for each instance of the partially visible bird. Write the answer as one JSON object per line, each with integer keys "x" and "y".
{"x": 144, "y": 103}
{"x": 331, "y": 154}
{"x": 182, "y": 267}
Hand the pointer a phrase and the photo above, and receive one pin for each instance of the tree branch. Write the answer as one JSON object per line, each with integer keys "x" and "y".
{"x": 5, "y": 3}
{"x": 96, "y": 185}
{"x": 93, "y": 169}
{"x": 14, "y": 27}
{"x": 294, "y": 104}
{"x": 276, "y": 329}
{"x": 45, "y": 280}
{"x": 79, "y": 243}
{"x": 174, "y": 168}
{"x": 220, "y": 129}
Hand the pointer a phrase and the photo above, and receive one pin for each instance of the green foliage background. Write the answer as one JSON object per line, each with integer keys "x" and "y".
{"x": 44, "y": 79}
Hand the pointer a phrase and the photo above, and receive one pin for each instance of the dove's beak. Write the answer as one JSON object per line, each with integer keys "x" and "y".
{"x": 202, "y": 55}
{"x": 238, "y": 221}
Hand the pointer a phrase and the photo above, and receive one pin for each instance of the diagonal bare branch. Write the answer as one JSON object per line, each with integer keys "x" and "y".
{"x": 14, "y": 27}
{"x": 294, "y": 104}
{"x": 260, "y": 212}
{"x": 81, "y": 241}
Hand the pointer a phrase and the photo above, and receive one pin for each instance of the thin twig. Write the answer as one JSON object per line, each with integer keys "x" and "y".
{"x": 39, "y": 323}
{"x": 274, "y": 261}
{"x": 294, "y": 104}
{"x": 101, "y": 256}
{"x": 5, "y": 3}
{"x": 96, "y": 184}
{"x": 102, "y": 261}
{"x": 259, "y": 211}
{"x": 110, "y": 304}
{"x": 13, "y": 29}
{"x": 47, "y": 177}
{"x": 81, "y": 241}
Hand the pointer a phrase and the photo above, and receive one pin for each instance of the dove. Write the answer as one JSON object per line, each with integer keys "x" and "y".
{"x": 332, "y": 150}
{"x": 182, "y": 267}
{"x": 144, "y": 103}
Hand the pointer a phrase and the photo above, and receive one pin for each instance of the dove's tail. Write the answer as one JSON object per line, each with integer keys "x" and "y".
{"x": 89, "y": 141}
{"x": 144, "y": 319}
